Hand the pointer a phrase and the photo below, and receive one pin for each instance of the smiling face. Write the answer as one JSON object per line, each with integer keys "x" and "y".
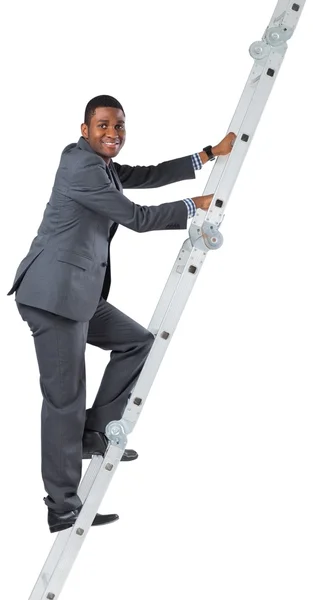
{"x": 106, "y": 132}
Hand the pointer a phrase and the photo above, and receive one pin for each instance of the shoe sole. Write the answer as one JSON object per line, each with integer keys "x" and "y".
{"x": 123, "y": 459}
{"x": 113, "y": 519}
{"x": 57, "y": 528}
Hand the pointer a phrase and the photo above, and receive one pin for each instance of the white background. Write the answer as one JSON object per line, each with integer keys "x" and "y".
{"x": 219, "y": 504}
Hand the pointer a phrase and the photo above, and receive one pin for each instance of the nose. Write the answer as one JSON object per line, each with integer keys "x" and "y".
{"x": 111, "y": 132}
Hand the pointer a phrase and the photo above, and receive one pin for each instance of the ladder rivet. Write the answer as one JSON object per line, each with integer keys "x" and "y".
{"x": 79, "y": 531}
{"x": 295, "y": 7}
{"x": 109, "y": 467}
{"x": 50, "y": 596}
{"x": 138, "y": 401}
{"x": 115, "y": 430}
{"x": 165, "y": 335}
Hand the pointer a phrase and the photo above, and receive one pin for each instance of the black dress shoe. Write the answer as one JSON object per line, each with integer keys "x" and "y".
{"x": 59, "y": 521}
{"x": 95, "y": 442}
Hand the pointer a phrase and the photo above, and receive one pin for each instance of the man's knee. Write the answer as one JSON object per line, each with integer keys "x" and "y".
{"x": 149, "y": 339}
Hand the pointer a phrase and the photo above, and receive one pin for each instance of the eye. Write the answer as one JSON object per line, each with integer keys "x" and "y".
{"x": 122, "y": 127}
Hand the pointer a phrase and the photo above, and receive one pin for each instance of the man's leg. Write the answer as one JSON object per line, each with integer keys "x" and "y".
{"x": 110, "y": 329}
{"x": 60, "y": 348}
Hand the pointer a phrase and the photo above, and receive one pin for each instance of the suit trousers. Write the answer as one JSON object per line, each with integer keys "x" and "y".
{"x": 60, "y": 345}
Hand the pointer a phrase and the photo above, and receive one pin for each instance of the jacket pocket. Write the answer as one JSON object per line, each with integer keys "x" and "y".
{"x": 72, "y": 258}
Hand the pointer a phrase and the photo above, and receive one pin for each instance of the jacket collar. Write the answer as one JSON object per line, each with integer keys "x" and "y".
{"x": 84, "y": 145}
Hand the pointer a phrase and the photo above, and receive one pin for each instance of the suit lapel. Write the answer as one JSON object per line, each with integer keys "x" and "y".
{"x": 115, "y": 177}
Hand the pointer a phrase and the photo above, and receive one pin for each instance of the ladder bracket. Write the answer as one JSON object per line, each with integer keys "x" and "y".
{"x": 277, "y": 36}
{"x": 259, "y": 50}
{"x": 116, "y": 434}
{"x": 273, "y": 38}
{"x": 212, "y": 238}
{"x": 206, "y": 237}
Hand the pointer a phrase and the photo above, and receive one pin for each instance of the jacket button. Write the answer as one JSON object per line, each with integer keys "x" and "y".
{"x": 103, "y": 264}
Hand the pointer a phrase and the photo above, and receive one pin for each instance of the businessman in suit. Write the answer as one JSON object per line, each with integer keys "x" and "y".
{"x": 62, "y": 286}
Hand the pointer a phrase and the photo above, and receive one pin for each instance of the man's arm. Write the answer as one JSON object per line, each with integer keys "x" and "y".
{"x": 89, "y": 185}
{"x": 170, "y": 171}
{"x": 155, "y": 176}
{"x": 197, "y": 160}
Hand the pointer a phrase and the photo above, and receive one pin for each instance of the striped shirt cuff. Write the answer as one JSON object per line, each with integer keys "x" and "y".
{"x": 191, "y": 207}
{"x": 196, "y": 161}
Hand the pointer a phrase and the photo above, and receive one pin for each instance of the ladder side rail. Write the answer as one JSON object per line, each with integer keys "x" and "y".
{"x": 173, "y": 300}
{"x": 248, "y": 113}
{"x": 68, "y": 542}
{"x": 286, "y": 13}
{"x": 283, "y": 15}
{"x": 170, "y": 287}
{"x": 263, "y": 84}
{"x": 167, "y": 327}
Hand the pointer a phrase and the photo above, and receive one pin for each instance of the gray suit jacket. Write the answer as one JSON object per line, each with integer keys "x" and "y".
{"x": 67, "y": 267}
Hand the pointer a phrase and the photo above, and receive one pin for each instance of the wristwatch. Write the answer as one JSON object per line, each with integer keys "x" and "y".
{"x": 208, "y": 151}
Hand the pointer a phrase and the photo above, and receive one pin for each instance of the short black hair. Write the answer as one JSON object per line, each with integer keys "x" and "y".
{"x": 98, "y": 101}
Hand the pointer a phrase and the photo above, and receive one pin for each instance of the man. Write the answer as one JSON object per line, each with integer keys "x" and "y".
{"x": 62, "y": 287}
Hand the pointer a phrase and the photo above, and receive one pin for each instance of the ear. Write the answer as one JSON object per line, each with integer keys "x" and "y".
{"x": 84, "y": 130}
